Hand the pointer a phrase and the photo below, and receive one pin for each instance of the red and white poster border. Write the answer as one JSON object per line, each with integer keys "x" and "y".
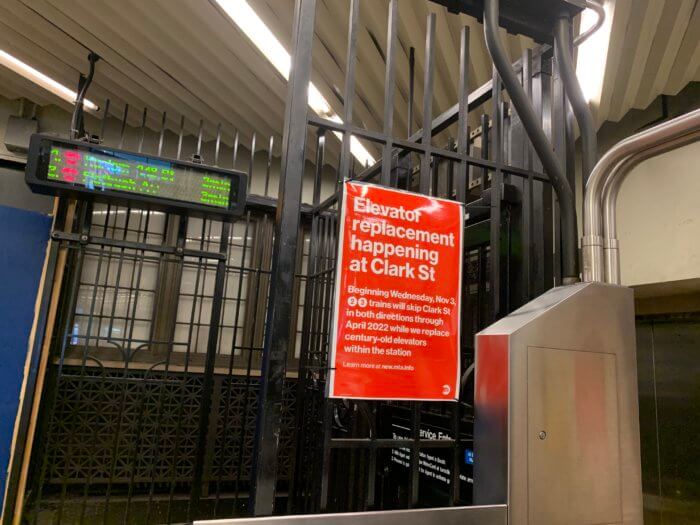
{"x": 337, "y": 293}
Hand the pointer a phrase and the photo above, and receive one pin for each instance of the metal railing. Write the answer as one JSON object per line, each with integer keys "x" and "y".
{"x": 604, "y": 183}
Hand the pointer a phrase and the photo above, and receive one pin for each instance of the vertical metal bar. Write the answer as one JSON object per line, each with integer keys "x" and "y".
{"x": 208, "y": 379}
{"x": 230, "y": 391}
{"x": 372, "y": 469}
{"x": 435, "y": 175}
{"x": 321, "y": 340}
{"x": 506, "y": 143}
{"x": 425, "y": 182}
{"x": 461, "y": 195}
{"x": 349, "y": 90}
{"x": 180, "y": 136}
{"x": 410, "y": 117}
{"x": 269, "y": 164}
{"x": 322, "y": 282}
{"x": 411, "y": 87}
{"x": 142, "y": 131}
{"x": 560, "y": 111}
{"x": 234, "y": 156}
{"x": 462, "y": 182}
{"x": 190, "y": 346}
{"x": 161, "y": 136}
{"x": 258, "y": 249}
{"x": 527, "y": 210}
{"x": 251, "y": 162}
{"x": 481, "y": 318}
{"x": 485, "y": 147}
{"x": 105, "y": 114}
{"x": 320, "y": 356}
{"x": 277, "y": 337}
{"x": 392, "y": 24}
{"x": 168, "y": 232}
{"x": 462, "y": 119}
{"x": 309, "y": 307}
{"x": 124, "y": 392}
{"x": 217, "y": 145}
{"x": 199, "y": 137}
{"x": 414, "y": 480}
{"x": 451, "y": 146}
{"x": 496, "y": 196}
{"x": 121, "y": 133}
{"x": 541, "y": 267}
{"x": 83, "y": 226}
{"x": 136, "y": 287}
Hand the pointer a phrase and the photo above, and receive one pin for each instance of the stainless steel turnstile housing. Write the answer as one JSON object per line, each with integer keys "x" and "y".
{"x": 557, "y": 427}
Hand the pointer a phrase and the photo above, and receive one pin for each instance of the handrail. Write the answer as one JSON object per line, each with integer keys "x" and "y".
{"x": 611, "y": 191}
{"x": 593, "y": 233}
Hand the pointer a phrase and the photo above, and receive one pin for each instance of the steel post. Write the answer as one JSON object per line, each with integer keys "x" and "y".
{"x": 279, "y": 312}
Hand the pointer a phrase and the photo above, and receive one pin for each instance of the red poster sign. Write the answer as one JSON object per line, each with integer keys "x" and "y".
{"x": 397, "y": 297}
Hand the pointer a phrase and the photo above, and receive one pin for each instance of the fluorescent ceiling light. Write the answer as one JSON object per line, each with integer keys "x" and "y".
{"x": 42, "y": 80}
{"x": 593, "y": 53}
{"x": 255, "y": 29}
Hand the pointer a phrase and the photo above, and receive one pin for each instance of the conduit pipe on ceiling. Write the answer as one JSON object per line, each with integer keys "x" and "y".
{"x": 567, "y": 204}
{"x": 615, "y": 164}
{"x": 582, "y": 112}
{"x": 580, "y": 39}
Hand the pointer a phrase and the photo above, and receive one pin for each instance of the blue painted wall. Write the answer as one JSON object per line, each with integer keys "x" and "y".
{"x": 23, "y": 238}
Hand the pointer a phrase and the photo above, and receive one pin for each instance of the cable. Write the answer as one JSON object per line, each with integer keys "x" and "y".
{"x": 567, "y": 204}
{"x": 584, "y": 117}
{"x": 76, "y": 119}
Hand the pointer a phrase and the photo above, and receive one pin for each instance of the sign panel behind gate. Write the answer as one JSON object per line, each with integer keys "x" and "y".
{"x": 397, "y": 298}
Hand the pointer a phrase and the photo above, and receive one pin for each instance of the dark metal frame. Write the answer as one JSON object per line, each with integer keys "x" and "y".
{"x": 307, "y": 453}
{"x": 157, "y": 383}
{"x": 340, "y": 444}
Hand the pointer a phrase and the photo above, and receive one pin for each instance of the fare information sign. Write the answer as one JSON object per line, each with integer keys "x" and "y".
{"x": 396, "y": 318}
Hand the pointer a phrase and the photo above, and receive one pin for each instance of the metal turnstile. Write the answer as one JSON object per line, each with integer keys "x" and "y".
{"x": 557, "y": 426}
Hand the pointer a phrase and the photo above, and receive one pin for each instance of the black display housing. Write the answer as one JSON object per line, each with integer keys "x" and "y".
{"x": 533, "y": 18}
{"x": 36, "y": 177}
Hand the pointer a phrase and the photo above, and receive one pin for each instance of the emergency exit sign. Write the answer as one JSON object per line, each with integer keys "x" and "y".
{"x": 396, "y": 317}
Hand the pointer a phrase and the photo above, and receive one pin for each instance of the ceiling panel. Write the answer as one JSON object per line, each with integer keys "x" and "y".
{"x": 187, "y": 58}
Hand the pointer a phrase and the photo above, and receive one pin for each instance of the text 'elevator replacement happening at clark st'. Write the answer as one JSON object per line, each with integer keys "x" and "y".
{"x": 397, "y": 302}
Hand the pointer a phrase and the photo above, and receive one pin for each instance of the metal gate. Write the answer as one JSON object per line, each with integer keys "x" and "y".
{"x": 370, "y": 455}
{"x": 186, "y": 371}
{"x": 150, "y": 398}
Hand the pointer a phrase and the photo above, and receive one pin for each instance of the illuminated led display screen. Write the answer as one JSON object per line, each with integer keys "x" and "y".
{"x": 134, "y": 174}
{"x": 70, "y": 166}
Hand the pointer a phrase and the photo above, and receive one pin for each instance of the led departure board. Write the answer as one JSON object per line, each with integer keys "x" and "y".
{"x": 58, "y": 166}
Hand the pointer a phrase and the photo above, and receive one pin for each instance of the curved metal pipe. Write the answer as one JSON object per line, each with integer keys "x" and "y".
{"x": 584, "y": 117}
{"x": 611, "y": 190}
{"x": 580, "y": 39}
{"x": 76, "y": 117}
{"x": 592, "y": 242}
{"x": 539, "y": 141}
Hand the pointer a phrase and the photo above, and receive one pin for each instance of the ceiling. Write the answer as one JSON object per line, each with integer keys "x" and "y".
{"x": 187, "y": 58}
